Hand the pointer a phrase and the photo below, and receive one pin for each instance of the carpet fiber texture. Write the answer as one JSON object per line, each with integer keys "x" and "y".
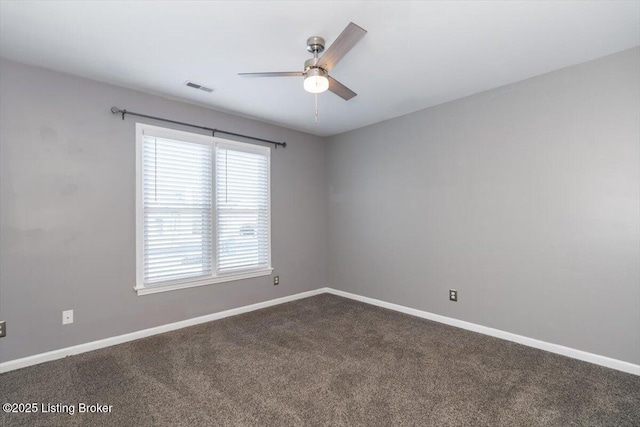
{"x": 324, "y": 360}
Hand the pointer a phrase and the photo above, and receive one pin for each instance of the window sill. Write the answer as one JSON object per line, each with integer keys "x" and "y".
{"x": 209, "y": 281}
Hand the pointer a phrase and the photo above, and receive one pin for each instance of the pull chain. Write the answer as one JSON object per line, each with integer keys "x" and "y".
{"x": 316, "y": 100}
{"x": 315, "y": 95}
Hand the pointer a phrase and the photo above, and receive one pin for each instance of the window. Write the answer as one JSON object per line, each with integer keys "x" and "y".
{"x": 203, "y": 210}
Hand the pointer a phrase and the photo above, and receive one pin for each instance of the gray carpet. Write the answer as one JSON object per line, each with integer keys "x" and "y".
{"x": 328, "y": 361}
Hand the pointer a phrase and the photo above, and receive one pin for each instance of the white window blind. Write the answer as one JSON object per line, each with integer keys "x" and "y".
{"x": 203, "y": 210}
{"x": 242, "y": 208}
{"x": 177, "y": 197}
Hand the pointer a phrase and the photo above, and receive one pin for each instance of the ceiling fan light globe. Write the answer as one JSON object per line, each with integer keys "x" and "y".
{"x": 315, "y": 81}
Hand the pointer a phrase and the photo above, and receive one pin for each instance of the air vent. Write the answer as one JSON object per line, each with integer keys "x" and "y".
{"x": 197, "y": 86}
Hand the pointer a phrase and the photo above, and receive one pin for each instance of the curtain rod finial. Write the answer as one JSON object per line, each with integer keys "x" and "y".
{"x": 116, "y": 110}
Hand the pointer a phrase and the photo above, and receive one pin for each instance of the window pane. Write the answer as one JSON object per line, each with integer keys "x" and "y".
{"x": 242, "y": 208}
{"x": 177, "y": 202}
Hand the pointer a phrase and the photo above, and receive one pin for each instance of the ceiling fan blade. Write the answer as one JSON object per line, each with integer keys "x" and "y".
{"x": 341, "y": 90}
{"x": 343, "y": 44}
{"x": 274, "y": 74}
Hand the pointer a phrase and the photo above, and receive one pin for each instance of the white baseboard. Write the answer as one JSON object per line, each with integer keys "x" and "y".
{"x": 531, "y": 342}
{"x": 95, "y": 345}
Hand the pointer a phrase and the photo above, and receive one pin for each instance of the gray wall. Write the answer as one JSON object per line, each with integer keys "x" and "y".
{"x": 524, "y": 198}
{"x": 67, "y": 198}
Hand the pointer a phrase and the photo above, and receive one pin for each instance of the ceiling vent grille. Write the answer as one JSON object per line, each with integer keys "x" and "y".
{"x": 197, "y": 86}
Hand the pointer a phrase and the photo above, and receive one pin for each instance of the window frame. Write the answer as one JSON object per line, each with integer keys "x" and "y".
{"x": 143, "y": 129}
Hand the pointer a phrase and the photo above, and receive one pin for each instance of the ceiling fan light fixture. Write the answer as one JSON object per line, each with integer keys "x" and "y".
{"x": 316, "y": 70}
{"x": 316, "y": 81}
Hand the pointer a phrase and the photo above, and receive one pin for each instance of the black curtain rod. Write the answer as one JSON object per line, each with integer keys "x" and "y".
{"x": 116, "y": 110}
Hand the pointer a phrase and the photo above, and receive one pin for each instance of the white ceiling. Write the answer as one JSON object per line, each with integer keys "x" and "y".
{"x": 415, "y": 55}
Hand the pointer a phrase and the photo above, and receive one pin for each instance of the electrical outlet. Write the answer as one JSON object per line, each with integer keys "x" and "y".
{"x": 67, "y": 317}
{"x": 276, "y": 280}
{"x": 453, "y": 295}
{"x": 3, "y": 329}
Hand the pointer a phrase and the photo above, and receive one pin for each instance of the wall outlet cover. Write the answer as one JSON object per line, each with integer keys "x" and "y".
{"x": 67, "y": 317}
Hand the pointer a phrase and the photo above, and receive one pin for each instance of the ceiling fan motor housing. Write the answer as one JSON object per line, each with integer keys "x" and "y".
{"x": 311, "y": 63}
{"x": 315, "y": 71}
{"x": 311, "y": 68}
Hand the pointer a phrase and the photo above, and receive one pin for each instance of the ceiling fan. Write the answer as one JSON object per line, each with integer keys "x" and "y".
{"x": 316, "y": 70}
